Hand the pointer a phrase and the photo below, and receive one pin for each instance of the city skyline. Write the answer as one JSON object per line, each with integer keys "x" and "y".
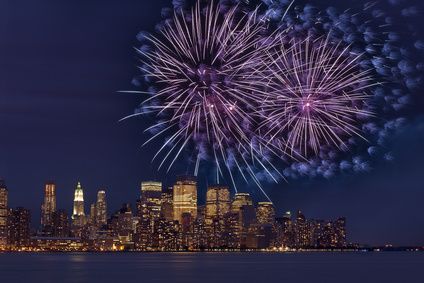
{"x": 62, "y": 124}
{"x": 170, "y": 219}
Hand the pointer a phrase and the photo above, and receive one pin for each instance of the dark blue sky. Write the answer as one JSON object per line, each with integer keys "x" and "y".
{"x": 61, "y": 65}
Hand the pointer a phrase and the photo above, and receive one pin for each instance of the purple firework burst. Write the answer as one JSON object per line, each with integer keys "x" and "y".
{"x": 204, "y": 66}
{"x": 316, "y": 94}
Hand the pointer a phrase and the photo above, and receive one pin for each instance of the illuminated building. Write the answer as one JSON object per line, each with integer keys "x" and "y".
{"x": 185, "y": 197}
{"x": 78, "y": 202}
{"x": 151, "y": 194}
{"x": 101, "y": 208}
{"x": 3, "y": 215}
{"x": 287, "y": 230}
{"x": 340, "y": 232}
{"x": 302, "y": 231}
{"x": 265, "y": 213}
{"x": 217, "y": 206}
{"x": 19, "y": 227}
{"x": 66, "y": 244}
{"x": 240, "y": 199}
{"x": 78, "y": 216}
{"x": 217, "y": 203}
{"x": 48, "y": 207}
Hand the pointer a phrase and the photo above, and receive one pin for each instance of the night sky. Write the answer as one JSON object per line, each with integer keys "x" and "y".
{"x": 62, "y": 64}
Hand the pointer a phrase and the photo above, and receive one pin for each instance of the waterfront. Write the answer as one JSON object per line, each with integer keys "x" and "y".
{"x": 328, "y": 267}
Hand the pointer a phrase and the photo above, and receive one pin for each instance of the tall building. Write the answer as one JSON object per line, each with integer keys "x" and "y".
{"x": 217, "y": 203}
{"x": 302, "y": 232}
{"x": 19, "y": 227}
{"x": 151, "y": 194}
{"x": 185, "y": 197}
{"x": 78, "y": 201}
{"x": 265, "y": 213}
{"x": 48, "y": 207}
{"x": 78, "y": 216}
{"x": 101, "y": 208}
{"x": 3, "y": 215}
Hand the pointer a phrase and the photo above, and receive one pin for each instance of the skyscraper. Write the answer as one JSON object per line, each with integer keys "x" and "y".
{"x": 3, "y": 215}
{"x": 265, "y": 213}
{"x": 217, "y": 203}
{"x": 151, "y": 194}
{"x": 48, "y": 207}
{"x": 78, "y": 201}
{"x": 101, "y": 208}
{"x": 78, "y": 216}
{"x": 185, "y": 197}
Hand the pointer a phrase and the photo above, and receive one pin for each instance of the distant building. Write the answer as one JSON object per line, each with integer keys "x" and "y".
{"x": 78, "y": 216}
{"x": 217, "y": 203}
{"x": 185, "y": 197}
{"x": 151, "y": 194}
{"x": 19, "y": 220}
{"x": 3, "y": 215}
{"x": 48, "y": 208}
{"x": 101, "y": 208}
{"x": 265, "y": 213}
{"x": 78, "y": 202}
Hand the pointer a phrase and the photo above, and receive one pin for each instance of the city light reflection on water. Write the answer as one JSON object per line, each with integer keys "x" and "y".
{"x": 346, "y": 267}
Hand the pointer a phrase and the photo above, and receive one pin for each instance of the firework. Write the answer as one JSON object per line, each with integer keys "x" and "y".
{"x": 316, "y": 94}
{"x": 381, "y": 52}
{"x": 204, "y": 66}
{"x": 276, "y": 91}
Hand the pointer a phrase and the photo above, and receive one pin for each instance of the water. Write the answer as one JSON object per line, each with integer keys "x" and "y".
{"x": 316, "y": 267}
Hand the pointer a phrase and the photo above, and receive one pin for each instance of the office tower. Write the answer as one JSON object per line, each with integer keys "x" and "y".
{"x": 167, "y": 205}
{"x": 240, "y": 199}
{"x": 60, "y": 224}
{"x": 101, "y": 208}
{"x": 78, "y": 216}
{"x": 19, "y": 227}
{"x": 3, "y": 215}
{"x": 151, "y": 194}
{"x": 217, "y": 203}
{"x": 265, "y": 213}
{"x": 185, "y": 197}
{"x": 48, "y": 207}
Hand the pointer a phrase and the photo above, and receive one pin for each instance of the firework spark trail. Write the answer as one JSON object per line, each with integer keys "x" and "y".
{"x": 317, "y": 92}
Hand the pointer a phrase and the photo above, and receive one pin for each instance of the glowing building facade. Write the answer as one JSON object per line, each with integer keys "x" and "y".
{"x": 265, "y": 213}
{"x": 101, "y": 208}
{"x": 49, "y": 206}
{"x": 185, "y": 197}
{"x": 217, "y": 203}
